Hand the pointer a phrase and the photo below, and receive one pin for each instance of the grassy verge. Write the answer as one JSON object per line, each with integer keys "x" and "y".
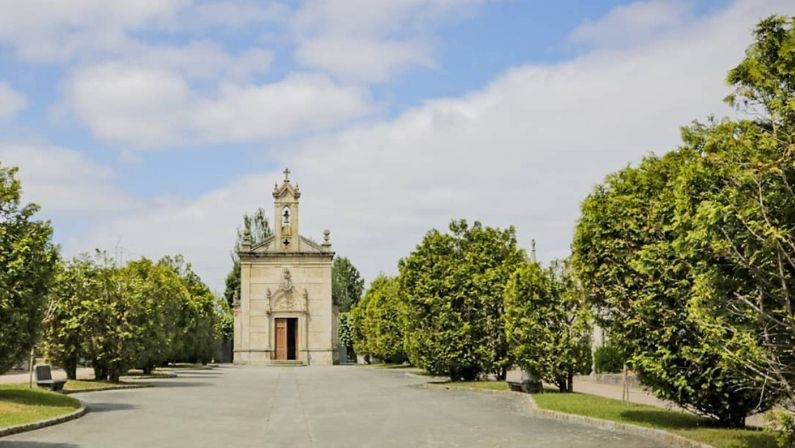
{"x": 687, "y": 425}
{"x": 138, "y": 374}
{"x": 185, "y": 365}
{"x": 20, "y": 405}
{"x": 482, "y": 385}
{"x": 94, "y": 385}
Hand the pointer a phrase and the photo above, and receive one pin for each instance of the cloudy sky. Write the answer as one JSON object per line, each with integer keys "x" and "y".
{"x": 148, "y": 127}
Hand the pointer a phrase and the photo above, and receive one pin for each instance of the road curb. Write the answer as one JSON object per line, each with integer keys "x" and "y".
{"x": 669, "y": 438}
{"x": 44, "y": 423}
{"x": 102, "y": 389}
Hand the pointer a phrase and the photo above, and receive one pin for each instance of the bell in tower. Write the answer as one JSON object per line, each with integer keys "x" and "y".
{"x": 286, "y": 208}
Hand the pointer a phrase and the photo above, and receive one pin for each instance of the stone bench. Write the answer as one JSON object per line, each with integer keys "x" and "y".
{"x": 530, "y": 387}
{"x": 44, "y": 378}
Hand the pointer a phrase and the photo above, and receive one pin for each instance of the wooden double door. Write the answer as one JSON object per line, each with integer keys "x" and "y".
{"x": 286, "y": 338}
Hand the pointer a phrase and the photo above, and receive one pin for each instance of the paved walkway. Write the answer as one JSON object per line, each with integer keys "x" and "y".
{"x": 310, "y": 407}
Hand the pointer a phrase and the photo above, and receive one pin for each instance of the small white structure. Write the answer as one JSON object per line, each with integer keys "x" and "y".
{"x": 285, "y": 313}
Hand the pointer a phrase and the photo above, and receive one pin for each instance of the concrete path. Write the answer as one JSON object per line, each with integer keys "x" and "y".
{"x": 310, "y": 407}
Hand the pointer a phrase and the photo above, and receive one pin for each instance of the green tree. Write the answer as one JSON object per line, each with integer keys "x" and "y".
{"x": 76, "y": 285}
{"x": 740, "y": 233}
{"x": 547, "y": 324}
{"x": 627, "y": 252}
{"x": 27, "y": 266}
{"x": 452, "y": 285}
{"x": 257, "y": 227}
{"x": 346, "y": 283}
{"x": 378, "y": 321}
{"x": 200, "y": 318}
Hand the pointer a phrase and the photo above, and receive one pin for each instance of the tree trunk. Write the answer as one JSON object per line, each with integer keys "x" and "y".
{"x": 100, "y": 372}
{"x": 502, "y": 374}
{"x": 147, "y": 369}
{"x": 571, "y": 382}
{"x": 113, "y": 374}
{"x": 71, "y": 371}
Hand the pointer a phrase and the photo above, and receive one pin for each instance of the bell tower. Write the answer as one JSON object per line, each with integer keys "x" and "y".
{"x": 286, "y": 214}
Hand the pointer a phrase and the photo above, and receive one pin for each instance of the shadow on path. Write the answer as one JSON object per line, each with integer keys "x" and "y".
{"x": 108, "y": 407}
{"x": 171, "y": 383}
{"x": 22, "y": 444}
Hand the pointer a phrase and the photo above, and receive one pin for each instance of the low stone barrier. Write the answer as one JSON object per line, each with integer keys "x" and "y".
{"x": 44, "y": 423}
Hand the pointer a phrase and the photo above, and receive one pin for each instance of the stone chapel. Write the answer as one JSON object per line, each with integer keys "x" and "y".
{"x": 285, "y": 313}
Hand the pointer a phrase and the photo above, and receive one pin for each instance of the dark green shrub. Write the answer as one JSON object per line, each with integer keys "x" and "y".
{"x": 608, "y": 359}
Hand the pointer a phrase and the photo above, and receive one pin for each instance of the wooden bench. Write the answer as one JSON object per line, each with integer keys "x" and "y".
{"x": 44, "y": 378}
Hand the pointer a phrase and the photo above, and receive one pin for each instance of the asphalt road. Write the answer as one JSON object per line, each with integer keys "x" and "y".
{"x": 290, "y": 407}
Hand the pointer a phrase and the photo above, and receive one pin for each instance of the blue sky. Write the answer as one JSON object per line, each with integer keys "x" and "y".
{"x": 148, "y": 127}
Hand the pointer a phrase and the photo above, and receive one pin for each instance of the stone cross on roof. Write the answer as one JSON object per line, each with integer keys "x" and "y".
{"x": 286, "y": 174}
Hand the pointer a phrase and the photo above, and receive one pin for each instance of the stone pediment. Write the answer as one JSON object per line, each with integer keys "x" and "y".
{"x": 271, "y": 245}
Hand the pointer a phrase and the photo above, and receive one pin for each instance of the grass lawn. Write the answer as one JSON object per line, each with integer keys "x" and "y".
{"x": 78, "y": 385}
{"x": 21, "y": 404}
{"x": 687, "y": 425}
{"x": 139, "y": 374}
{"x": 390, "y": 366}
{"x": 484, "y": 385}
{"x": 185, "y": 365}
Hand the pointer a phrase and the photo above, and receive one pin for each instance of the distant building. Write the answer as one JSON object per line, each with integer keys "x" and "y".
{"x": 285, "y": 312}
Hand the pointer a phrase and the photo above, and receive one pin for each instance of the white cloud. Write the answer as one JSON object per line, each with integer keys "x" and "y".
{"x": 145, "y": 107}
{"x": 11, "y": 101}
{"x": 65, "y": 181}
{"x": 364, "y": 59}
{"x": 45, "y": 31}
{"x": 201, "y": 59}
{"x": 357, "y": 41}
{"x": 237, "y": 13}
{"x": 634, "y": 23}
{"x": 524, "y": 150}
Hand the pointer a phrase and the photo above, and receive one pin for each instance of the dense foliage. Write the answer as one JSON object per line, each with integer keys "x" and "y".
{"x": 608, "y": 358}
{"x": 255, "y": 227}
{"x": 27, "y": 264}
{"x": 691, "y": 254}
{"x": 138, "y": 315}
{"x": 547, "y": 324}
{"x": 347, "y": 284}
{"x": 740, "y": 233}
{"x": 452, "y": 286}
{"x": 378, "y": 321}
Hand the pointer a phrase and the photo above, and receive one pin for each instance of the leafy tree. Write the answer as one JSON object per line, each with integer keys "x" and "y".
{"x": 346, "y": 283}
{"x": 378, "y": 321}
{"x": 345, "y": 332}
{"x": 27, "y": 266}
{"x": 76, "y": 284}
{"x": 740, "y": 233}
{"x": 257, "y": 227}
{"x": 200, "y": 318}
{"x": 139, "y": 315}
{"x": 452, "y": 285}
{"x": 547, "y": 324}
{"x": 627, "y": 252}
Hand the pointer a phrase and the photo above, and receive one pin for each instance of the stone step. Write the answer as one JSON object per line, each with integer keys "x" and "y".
{"x": 286, "y": 363}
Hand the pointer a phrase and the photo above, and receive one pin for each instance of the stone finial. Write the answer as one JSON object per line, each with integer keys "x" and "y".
{"x": 286, "y": 174}
{"x": 326, "y": 240}
{"x": 236, "y": 300}
{"x": 245, "y": 243}
{"x": 533, "y": 251}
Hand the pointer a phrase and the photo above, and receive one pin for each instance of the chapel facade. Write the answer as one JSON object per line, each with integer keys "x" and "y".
{"x": 285, "y": 313}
